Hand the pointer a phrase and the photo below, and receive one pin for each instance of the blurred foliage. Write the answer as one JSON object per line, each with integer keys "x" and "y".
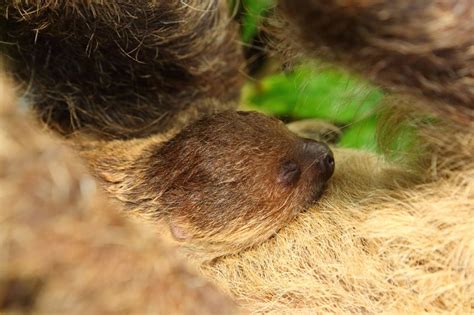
{"x": 330, "y": 95}
{"x": 254, "y": 11}
{"x": 312, "y": 92}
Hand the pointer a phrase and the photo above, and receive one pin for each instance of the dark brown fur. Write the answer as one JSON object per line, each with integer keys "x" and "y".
{"x": 423, "y": 47}
{"x": 221, "y": 184}
{"x": 123, "y": 69}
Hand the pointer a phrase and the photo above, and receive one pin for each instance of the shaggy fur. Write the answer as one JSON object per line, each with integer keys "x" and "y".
{"x": 375, "y": 242}
{"x": 316, "y": 129}
{"x": 423, "y": 47}
{"x": 123, "y": 69}
{"x": 65, "y": 250}
{"x": 195, "y": 181}
{"x": 378, "y": 241}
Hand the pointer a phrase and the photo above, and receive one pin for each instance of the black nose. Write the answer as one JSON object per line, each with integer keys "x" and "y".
{"x": 320, "y": 154}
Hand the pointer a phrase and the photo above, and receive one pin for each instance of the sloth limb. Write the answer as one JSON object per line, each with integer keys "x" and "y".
{"x": 122, "y": 69}
{"x": 422, "y": 47}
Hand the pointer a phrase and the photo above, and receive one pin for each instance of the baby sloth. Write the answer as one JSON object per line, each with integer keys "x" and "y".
{"x": 224, "y": 183}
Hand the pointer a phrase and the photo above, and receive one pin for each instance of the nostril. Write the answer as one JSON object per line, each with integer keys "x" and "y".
{"x": 329, "y": 161}
{"x": 320, "y": 152}
{"x": 329, "y": 164}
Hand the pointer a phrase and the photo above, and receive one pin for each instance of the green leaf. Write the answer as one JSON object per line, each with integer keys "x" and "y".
{"x": 253, "y": 14}
{"x": 329, "y": 94}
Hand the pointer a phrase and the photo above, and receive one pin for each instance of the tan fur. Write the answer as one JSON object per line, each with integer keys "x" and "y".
{"x": 373, "y": 244}
{"x": 379, "y": 242}
{"x": 316, "y": 129}
{"x": 65, "y": 250}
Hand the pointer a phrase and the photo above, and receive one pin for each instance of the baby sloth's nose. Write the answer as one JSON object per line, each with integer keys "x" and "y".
{"x": 319, "y": 154}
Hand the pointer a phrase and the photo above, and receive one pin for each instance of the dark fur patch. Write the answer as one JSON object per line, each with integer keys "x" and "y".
{"x": 423, "y": 47}
{"x": 123, "y": 69}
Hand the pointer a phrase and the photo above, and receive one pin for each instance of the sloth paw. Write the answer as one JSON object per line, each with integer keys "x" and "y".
{"x": 316, "y": 129}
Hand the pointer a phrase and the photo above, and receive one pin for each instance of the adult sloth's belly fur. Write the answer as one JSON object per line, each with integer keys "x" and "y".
{"x": 370, "y": 245}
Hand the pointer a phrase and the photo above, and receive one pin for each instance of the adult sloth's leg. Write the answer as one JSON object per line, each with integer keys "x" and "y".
{"x": 123, "y": 69}
{"x": 423, "y": 47}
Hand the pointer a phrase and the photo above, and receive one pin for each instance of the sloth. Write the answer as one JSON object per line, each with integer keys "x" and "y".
{"x": 127, "y": 82}
{"x": 122, "y": 70}
{"x": 423, "y": 48}
{"x": 226, "y": 182}
{"x": 386, "y": 237}
{"x": 67, "y": 250}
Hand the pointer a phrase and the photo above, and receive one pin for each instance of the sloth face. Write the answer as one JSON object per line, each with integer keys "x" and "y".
{"x": 235, "y": 178}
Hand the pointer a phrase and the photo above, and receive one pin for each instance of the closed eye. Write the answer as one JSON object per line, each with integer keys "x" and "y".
{"x": 289, "y": 173}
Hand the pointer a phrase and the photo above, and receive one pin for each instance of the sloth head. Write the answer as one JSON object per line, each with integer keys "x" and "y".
{"x": 233, "y": 179}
